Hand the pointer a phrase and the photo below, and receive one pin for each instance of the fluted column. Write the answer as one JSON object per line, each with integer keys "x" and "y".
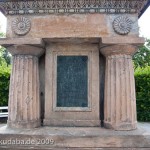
{"x": 24, "y": 100}
{"x": 120, "y": 99}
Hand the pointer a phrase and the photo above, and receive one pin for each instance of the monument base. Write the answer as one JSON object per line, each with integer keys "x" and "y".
{"x": 121, "y": 127}
{"x": 25, "y": 124}
{"x": 72, "y": 123}
{"x": 78, "y": 138}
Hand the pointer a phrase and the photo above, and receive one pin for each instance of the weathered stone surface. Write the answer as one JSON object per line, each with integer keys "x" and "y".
{"x": 6, "y": 42}
{"x": 79, "y": 138}
{"x": 26, "y": 50}
{"x": 122, "y": 25}
{"x": 80, "y": 148}
{"x": 59, "y": 116}
{"x": 24, "y": 101}
{"x": 134, "y": 31}
{"x": 120, "y": 100}
{"x": 71, "y": 40}
{"x": 21, "y": 26}
{"x": 118, "y": 49}
{"x": 61, "y": 7}
{"x": 122, "y": 40}
{"x": 57, "y": 26}
{"x": 73, "y": 25}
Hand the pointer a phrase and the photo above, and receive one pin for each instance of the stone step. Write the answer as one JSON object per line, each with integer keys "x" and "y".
{"x": 75, "y": 138}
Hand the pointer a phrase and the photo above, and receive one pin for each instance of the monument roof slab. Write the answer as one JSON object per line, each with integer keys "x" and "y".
{"x": 123, "y": 40}
{"x": 6, "y": 42}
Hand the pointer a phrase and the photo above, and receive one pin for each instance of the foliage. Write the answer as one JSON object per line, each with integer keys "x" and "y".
{"x": 5, "y": 60}
{"x": 4, "y": 83}
{"x": 2, "y": 34}
{"x": 4, "y": 54}
{"x": 1, "y": 55}
{"x": 142, "y": 80}
{"x": 142, "y": 57}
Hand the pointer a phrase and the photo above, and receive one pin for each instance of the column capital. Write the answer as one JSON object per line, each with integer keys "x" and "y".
{"x": 118, "y": 49}
{"x": 26, "y": 50}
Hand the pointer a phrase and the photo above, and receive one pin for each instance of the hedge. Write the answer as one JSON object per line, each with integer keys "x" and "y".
{"x": 142, "y": 81}
{"x": 4, "y": 83}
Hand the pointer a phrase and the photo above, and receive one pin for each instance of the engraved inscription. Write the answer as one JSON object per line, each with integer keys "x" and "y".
{"x": 72, "y": 81}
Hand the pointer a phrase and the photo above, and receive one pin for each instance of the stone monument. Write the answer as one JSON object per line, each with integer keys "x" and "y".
{"x": 72, "y": 63}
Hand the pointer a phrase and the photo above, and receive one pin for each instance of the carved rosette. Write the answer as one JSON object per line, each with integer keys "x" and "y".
{"x": 122, "y": 25}
{"x": 21, "y": 25}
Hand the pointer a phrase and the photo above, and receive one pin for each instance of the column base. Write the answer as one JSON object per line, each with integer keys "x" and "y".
{"x": 24, "y": 124}
{"x": 121, "y": 127}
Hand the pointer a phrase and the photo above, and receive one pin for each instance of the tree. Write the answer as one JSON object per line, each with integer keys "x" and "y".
{"x": 5, "y": 68}
{"x": 142, "y": 57}
{"x": 2, "y": 34}
{"x": 4, "y": 54}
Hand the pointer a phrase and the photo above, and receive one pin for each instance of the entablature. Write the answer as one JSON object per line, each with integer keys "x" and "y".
{"x": 15, "y": 7}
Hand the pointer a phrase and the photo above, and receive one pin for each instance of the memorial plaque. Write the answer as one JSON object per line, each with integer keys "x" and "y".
{"x": 72, "y": 81}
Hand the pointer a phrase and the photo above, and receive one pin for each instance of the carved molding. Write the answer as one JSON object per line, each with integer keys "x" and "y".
{"x": 28, "y": 100}
{"x": 122, "y": 25}
{"x": 10, "y": 7}
{"x": 21, "y": 25}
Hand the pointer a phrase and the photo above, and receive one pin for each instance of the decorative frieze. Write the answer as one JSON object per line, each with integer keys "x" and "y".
{"x": 71, "y": 6}
{"x": 21, "y": 25}
{"x": 122, "y": 25}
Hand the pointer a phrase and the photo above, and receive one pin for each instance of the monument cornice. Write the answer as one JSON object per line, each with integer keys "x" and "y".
{"x": 15, "y": 7}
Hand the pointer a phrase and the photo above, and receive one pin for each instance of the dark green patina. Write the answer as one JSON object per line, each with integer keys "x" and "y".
{"x": 72, "y": 81}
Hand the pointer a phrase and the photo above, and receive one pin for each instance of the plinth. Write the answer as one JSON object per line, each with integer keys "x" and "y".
{"x": 79, "y": 138}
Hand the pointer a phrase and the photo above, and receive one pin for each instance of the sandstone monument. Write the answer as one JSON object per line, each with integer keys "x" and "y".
{"x": 72, "y": 65}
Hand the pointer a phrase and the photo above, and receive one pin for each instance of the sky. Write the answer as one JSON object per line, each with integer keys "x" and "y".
{"x": 3, "y": 22}
{"x": 144, "y": 24}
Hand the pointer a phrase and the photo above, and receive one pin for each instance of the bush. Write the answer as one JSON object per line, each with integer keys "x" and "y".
{"x": 142, "y": 81}
{"x": 142, "y": 57}
{"x": 4, "y": 83}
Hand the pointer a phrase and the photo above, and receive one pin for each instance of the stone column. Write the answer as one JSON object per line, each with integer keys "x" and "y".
{"x": 24, "y": 101}
{"x": 120, "y": 99}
